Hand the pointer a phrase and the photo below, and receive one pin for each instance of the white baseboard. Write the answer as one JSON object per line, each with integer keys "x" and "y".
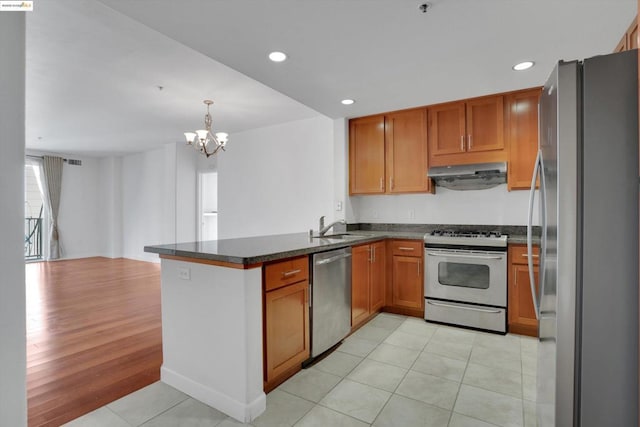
{"x": 243, "y": 412}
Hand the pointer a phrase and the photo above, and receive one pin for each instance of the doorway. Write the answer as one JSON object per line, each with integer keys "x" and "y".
{"x": 207, "y": 210}
{"x": 34, "y": 213}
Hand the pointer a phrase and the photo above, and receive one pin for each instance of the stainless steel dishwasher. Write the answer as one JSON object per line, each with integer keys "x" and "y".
{"x": 331, "y": 299}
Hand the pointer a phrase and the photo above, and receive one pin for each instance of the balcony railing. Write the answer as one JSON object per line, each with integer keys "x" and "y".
{"x": 33, "y": 238}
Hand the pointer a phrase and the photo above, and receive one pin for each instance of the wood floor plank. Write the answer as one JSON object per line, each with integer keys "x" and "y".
{"x": 93, "y": 335}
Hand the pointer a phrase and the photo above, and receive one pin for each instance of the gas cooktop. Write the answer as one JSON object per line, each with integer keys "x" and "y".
{"x": 466, "y": 238}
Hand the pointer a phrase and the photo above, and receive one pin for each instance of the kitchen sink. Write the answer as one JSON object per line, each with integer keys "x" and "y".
{"x": 338, "y": 236}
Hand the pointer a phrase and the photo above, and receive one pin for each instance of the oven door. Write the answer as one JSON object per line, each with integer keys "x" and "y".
{"x": 477, "y": 277}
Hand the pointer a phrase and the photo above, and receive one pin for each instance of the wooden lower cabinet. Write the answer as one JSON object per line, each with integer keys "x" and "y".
{"x": 360, "y": 267}
{"x": 367, "y": 281}
{"x": 377, "y": 277}
{"x": 521, "y": 314}
{"x": 407, "y": 284}
{"x": 407, "y": 278}
{"x": 286, "y": 331}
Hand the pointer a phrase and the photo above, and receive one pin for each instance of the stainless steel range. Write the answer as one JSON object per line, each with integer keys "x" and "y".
{"x": 466, "y": 279}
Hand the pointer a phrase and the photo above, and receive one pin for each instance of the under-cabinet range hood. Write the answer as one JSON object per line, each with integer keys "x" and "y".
{"x": 469, "y": 177}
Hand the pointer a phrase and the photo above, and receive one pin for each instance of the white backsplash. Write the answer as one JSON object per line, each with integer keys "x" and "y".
{"x": 494, "y": 206}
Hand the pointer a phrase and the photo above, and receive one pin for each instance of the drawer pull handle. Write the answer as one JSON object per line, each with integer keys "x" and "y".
{"x": 404, "y": 248}
{"x": 290, "y": 273}
{"x": 526, "y": 255}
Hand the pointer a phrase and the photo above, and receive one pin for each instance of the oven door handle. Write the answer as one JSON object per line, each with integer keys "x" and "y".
{"x": 442, "y": 254}
{"x": 483, "y": 310}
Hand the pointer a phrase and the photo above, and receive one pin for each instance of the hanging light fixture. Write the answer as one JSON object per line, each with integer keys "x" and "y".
{"x": 203, "y": 140}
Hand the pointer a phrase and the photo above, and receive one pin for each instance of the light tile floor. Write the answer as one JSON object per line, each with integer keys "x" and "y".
{"x": 394, "y": 371}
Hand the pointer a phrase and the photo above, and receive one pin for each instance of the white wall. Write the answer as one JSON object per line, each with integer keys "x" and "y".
{"x": 110, "y": 206}
{"x": 186, "y": 192}
{"x": 158, "y": 199}
{"x": 13, "y": 400}
{"x": 80, "y": 219}
{"x": 494, "y": 206}
{"x": 278, "y": 179}
{"x": 143, "y": 207}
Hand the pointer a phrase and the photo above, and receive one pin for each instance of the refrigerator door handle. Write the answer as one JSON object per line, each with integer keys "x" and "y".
{"x": 532, "y": 193}
{"x": 543, "y": 240}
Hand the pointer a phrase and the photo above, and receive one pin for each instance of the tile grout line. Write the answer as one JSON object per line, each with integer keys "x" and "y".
{"x": 460, "y": 384}
{"x": 166, "y": 410}
{"x": 114, "y": 413}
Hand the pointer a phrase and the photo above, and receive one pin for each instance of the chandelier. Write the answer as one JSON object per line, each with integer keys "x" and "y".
{"x": 203, "y": 140}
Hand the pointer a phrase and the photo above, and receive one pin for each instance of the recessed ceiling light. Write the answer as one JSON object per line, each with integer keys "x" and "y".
{"x": 277, "y": 56}
{"x": 347, "y": 101}
{"x": 523, "y": 65}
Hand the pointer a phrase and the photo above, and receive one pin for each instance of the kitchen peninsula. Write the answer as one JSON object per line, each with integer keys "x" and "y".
{"x": 212, "y": 320}
{"x": 212, "y": 306}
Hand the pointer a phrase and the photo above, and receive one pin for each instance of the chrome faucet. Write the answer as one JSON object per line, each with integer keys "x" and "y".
{"x": 322, "y": 229}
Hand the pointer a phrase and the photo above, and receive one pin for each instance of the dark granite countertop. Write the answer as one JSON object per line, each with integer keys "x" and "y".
{"x": 255, "y": 250}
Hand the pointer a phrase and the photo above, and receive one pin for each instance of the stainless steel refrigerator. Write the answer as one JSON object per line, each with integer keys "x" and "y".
{"x": 587, "y": 301}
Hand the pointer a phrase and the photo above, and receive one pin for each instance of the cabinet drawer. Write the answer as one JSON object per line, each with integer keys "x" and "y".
{"x": 518, "y": 254}
{"x": 286, "y": 272}
{"x": 407, "y": 247}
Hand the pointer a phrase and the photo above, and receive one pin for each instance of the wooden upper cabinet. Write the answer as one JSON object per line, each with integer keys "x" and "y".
{"x": 629, "y": 39}
{"x": 465, "y": 132}
{"x": 622, "y": 44}
{"x": 388, "y": 153}
{"x": 485, "y": 124}
{"x": 447, "y": 129}
{"x": 522, "y": 137}
{"x": 366, "y": 155}
{"x": 632, "y": 41}
{"x": 406, "y": 154}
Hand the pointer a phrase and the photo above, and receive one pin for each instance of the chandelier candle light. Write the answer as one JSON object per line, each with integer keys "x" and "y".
{"x": 203, "y": 140}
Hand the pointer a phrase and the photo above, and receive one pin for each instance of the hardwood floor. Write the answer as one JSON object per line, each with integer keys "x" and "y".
{"x": 93, "y": 334}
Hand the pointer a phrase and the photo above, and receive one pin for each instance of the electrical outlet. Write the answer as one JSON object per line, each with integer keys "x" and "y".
{"x": 412, "y": 214}
{"x": 184, "y": 273}
{"x": 339, "y": 206}
{"x": 374, "y": 214}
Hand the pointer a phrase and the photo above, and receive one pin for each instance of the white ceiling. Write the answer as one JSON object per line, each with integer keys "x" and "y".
{"x": 93, "y": 71}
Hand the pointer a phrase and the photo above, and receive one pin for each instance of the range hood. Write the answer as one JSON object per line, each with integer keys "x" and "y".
{"x": 469, "y": 177}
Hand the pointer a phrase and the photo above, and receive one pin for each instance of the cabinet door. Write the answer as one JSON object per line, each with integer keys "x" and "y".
{"x": 622, "y": 44}
{"x": 522, "y": 137}
{"x": 366, "y": 155}
{"x": 407, "y": 284}
{"x": 287, "y": 328}
{"x": 632, "y": 36}
{"x": 360, "y": 264}
{"x": 446, "y": 129}
{"x": 485, "y": 124}
{"x": 406, "y": 138}
{"x": 522, "y": 317}
{"x": 377, "y": 276}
